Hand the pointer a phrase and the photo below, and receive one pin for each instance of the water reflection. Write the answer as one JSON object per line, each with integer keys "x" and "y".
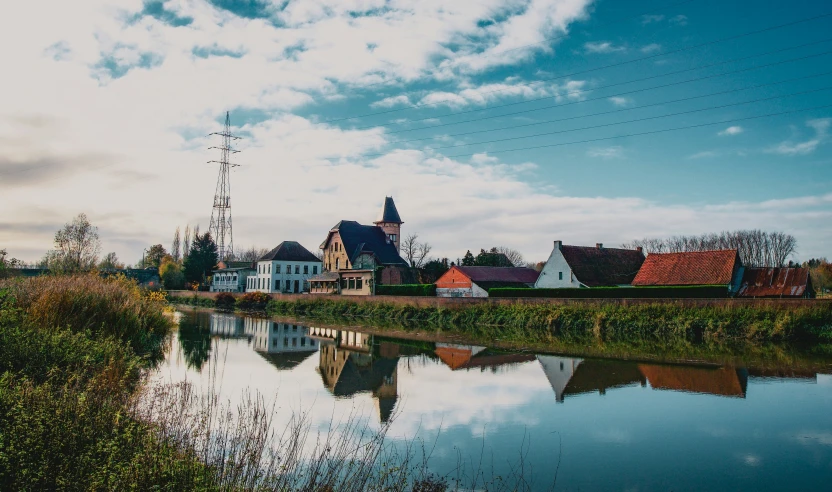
{"x": 699, "y": 426}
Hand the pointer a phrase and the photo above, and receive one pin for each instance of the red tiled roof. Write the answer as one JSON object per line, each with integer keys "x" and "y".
{"x": 603, "y": 267}
{"x": 724, "y": 381}
{"x": 774, "y": 282}
{"x": 508, "y": 275}
{"x": 689, "y": 268}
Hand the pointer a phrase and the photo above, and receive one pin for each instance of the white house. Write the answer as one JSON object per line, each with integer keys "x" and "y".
{"x": 585, "y": 266}
{"x": 231, "y": 279}
{"x": 286, "y": 268}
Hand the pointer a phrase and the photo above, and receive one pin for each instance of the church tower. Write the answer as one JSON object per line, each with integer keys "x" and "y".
{"x": 390, "y": 222}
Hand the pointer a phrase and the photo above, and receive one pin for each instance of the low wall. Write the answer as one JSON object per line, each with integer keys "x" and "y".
{"x": 451, "y": 302}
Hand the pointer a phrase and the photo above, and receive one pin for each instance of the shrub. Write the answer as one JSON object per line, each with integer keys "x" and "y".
{"x": 253, "y": 301}
{"x": 102, "y": 307}
{"x": 224, "y": 301}
{"x": 683, "y": 292}
{"x": 414, "y": 290}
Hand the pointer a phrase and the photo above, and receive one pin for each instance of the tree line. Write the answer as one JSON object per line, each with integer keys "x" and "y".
{"x": 756, "y": 248}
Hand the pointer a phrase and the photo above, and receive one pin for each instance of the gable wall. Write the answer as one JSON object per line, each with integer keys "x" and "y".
{"x": 549, "y": 278}
{"x": 334, "y": 253}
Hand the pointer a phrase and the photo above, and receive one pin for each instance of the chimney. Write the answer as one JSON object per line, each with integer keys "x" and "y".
{"x": 599, "y": 245}
{"x": 640, "y": 250}
{"x": 558, "y": 245}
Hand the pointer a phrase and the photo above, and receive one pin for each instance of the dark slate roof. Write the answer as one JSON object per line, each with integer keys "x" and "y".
{"x": 502, "y": 276}
{"x": 359, "y": 239}
{"x": 289, "y": 251}
{"x": 603, "y": 267}
{"x": 775, "y": 282}
{"x": 690, "y": 268}
{"x": 389, "y": 212}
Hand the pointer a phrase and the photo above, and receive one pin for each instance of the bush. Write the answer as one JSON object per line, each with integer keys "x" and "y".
{"x": 224, "y": 301}
{"x": 684, "y": 292}
{"x": 253, "y": 301}
{"x": 413, "y": 290}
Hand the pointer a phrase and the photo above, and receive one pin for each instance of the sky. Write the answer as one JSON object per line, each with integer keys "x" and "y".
{"x": 491, "y": 122}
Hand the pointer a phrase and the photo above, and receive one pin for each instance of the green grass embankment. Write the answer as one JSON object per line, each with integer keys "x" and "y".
{"x": 588, "y": 321}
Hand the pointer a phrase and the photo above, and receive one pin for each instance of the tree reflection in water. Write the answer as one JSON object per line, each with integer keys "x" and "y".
{"x": 195, "y": 340}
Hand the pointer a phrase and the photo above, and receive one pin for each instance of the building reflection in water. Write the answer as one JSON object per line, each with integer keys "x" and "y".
{"x": 350, "y": 363}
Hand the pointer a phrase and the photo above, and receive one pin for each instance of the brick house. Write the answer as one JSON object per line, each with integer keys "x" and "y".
{"x": 584, "y": 266}
{"x": 474, "y": 281}
{"x": 718, "y": 267}
{"x": 359, "y": 251}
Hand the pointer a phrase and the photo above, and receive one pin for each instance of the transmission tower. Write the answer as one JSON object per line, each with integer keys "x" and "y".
{"x": 220, "y": 226}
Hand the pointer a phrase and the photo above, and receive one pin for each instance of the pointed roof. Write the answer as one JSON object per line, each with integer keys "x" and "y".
{"x": 360, "y": 239}
{"x": 389, "y": 213}
{"x": 776, "y": 282}
{"x": 289, "y": 251}
{"x": 689, "y": 268}
{"x": 488, "y": 277}
{"x": 603, "y": 267}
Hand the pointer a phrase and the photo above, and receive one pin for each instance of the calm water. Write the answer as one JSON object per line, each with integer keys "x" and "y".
{"x": 617, "y": 425}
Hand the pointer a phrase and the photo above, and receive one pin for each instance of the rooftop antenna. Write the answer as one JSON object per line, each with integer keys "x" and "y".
{"x": 220, "y": 226}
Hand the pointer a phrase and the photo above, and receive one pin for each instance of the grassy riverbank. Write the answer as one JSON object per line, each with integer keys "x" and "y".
{"x": 75, "y": 412}
{"x": 582, "y": 322}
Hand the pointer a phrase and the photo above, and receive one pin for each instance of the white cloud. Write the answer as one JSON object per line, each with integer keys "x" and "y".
{"x": 704, "y": 154}
{"x": 487, "y": 93}
{"x": 602, "y": 47}
{"x": 789, "y": 147}
{"x": 649, "y": 19}
{"x": 606, "y": 152}
{"x": 651, "y": 48}
{"x": 731, "y": 130}
{"x": 679, "y": 20}
{"x": 621, "y": 101}
{"x": 389, "y": 102}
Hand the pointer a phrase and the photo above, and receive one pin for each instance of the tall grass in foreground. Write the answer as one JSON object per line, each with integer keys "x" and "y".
{"x": 74, "y": 413}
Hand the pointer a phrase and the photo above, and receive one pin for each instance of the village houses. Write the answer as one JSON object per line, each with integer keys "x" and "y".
{"x": 582, "y": 266}
{"x": 287, "y": 269}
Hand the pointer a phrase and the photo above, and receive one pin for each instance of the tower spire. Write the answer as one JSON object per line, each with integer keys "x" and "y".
{"x": 220, "y": 226}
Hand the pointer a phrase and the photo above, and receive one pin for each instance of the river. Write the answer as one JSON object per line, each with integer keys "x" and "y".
{"x": 591, "y": 424}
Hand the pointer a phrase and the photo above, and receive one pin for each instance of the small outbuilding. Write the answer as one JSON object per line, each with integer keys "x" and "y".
{"x": 718, "y": 267}
{"x": 584, "y": 266}
{"x": 474, "y": 281}
{"x": 781, "y": 283}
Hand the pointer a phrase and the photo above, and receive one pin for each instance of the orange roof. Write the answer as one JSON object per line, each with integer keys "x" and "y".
{"x": 689, "y": 268}
{"x": 775, "y": 282}
{"x": 724, "y": 381}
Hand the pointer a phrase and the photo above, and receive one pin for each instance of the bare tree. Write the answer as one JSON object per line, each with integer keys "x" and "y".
{"x": 514, "y": 256}
{"x": 756, "y": 248}
{"x": 175, "y": 248}
{"x": 415, "y": 252}
{"x": 186, "y": 243}
{"x": 110, "y": 262}
{"x": 76, "y": 246}
{"x": 250, "y": 254}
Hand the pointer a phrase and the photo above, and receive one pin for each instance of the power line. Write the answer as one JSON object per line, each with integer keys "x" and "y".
{"x": 634, "y": 91}
{"x": 604, "y": 125}
{"x": 612, "y": 65}
{"x": 615, "y": 110}
{"x": 652, "y": 132}
{"x": 545, "y": 40}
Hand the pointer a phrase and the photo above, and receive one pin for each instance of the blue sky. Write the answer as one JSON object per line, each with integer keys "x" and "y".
{"x": 108, "y": 104}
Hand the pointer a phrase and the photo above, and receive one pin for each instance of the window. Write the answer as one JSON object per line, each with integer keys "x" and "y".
{"x": 277, "y": 285}
{"x": 286, "y": 342}
{"x": 305, "y": 269}
{"x": 337, "y": 263}
{"x": 270, "y": 268}
{"x": 352, "y": 283}
{"x": 294, "y": 342}
{"x": 314, "y": 269}
{"x": 297, "y": 286}
{"x": 392, "y": 238}
{"x": 277, "y": 270}
{"x": 288, "y": 269}
{"x": 297, "y": 269}
{"x": 303, "y": 342}
{"x": 560, "y": 275}
{"x": 358, "y": 283}
{"x": 343, "y": 283}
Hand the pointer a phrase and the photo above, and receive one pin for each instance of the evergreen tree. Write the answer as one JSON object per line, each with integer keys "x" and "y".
{"x": 186, "y": 243}
{"x": 468, "y": 259}
{"x": 202, "y": 258}
{"x": 175, "y": 248}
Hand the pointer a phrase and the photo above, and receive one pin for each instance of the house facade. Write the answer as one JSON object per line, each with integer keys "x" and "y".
{"x": 285, "y": 269}
{"x": 473, "y": 281}
{"x": 363, "y": 255}
{"x": 231, "y": 279}
{"x": 718, "y": 267}
{"x": 583, "y": 266}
